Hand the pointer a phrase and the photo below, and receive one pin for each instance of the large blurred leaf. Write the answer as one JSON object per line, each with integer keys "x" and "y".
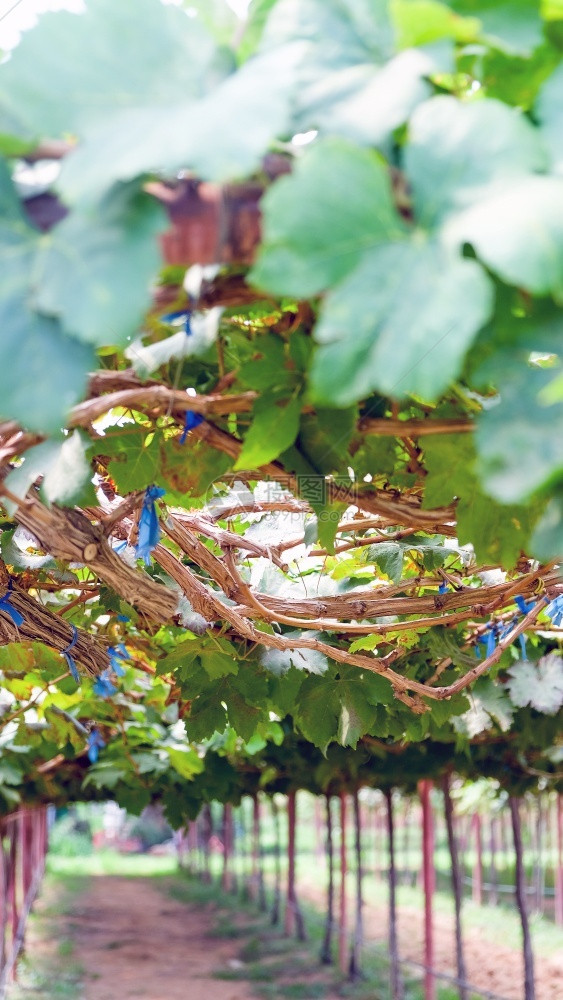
{"x": 353, "y": 87}
{"x": 74, "y": 70}
{"x": 547, "y": 539}
{"x": 421, "y": 21}
{"x": 42, "y": 370}
{"x": 459, "y": 152}
{"x": 522, "y": 424}
{"x": 338, "y": 32}
{"x": 221, "y": 135}
{"x": 512, "y": 25}
{"x": 549, "y": 110}
{"x": 498, "y": 532}
{"x": 410, "y": 296}
{"x": 528, "y": 419}
{"x": 518, "y": 233}
{"x": 319, "y": 221}
{"x": 95, "y": 267}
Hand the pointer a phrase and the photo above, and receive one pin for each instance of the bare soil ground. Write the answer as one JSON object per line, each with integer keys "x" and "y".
{"x": 127, "y": 937}
{"x": 133, "y": 941}
{"x": 489, "y": 966}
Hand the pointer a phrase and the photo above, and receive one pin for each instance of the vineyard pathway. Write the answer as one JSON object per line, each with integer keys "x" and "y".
{"x": 132, "y": 940}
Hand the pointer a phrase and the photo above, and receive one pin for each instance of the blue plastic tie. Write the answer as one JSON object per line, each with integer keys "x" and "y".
{"x": 554, "y": 610}
{"x": 95, "y": 744}
{"x": 488, "y": 639}
{"x": 67, "y": 654}
{"x": 117, "y": 653}
{"x": 149, "y": 528}
{"x": 123, "y": 618}
{"x": 523, "y": 606}
{"x": 120, "y": 547}
{"x": 443, "y": 588}
{"x": 522, "y": 641}
{"x": 173, "y": 316}
{"x": 103, "y": 685}
{"x": 491, "y": 641}
{"x": 5, "y": 605}
{"x": 191, "y": 420}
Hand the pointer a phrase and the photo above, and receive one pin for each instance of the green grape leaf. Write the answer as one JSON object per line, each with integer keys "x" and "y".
{"x": 61, "y": 464}
{"x": 273, "y": 429}
{"x": 280, "y": 661}
{"x": 538, "y": 684}
{"x": 517, "y": 79}
{"x": 221, "y": 136}
{"x": 524, "y": 422}
{"x": 388, "y": 557}
{"x": 489, "y": 705}
{"x": 517, "y": 233}
{"x": 319, "y": 221}
{"x": 413, "y": 293}
{"x": 366, "y": 103}
{"x": 549, "y": 111}
{"x": 498, "y": 532}
{"x": 207, "y": 715}
{"x": 512, "y": 25}
{"x": 32, "y": 344}
{"x": 135, "y": 459}
{"x": 95, "y": 267}
{"x": 419, "y": 22}
{"x": 459, "y": 153}
{"x": 185, "y": 761}
{"x": 547, "y": 538}
{"x": 167, "y": 53}
{"x": 190, "y": 469}
{"x": 218, "y": 664}
{"x": 324, "y": 438}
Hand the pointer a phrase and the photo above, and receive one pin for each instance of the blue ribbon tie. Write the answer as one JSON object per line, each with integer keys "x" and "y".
{"x": 117, "y": 653}
{"x": 191, "y": 420}
{"x": 149, "y": 528}
{"x": 67, "y": 655}
{"x": 523, "y": 606}
{"x": 184, "y": 314}
{"x": 95, "y": 744}
{"x": 554, "y": 610}
{"x": 103, "y": 685}
{"x": 5, "y": 605}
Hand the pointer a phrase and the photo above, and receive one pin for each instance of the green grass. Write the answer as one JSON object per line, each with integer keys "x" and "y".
{"x": 49, "y": 972}
{"x": 109, "y": 862}
{"x": 280, "y": 967}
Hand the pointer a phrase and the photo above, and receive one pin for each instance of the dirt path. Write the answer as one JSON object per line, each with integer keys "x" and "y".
{"x": 489, "y": 965}
{"x": 133, "y": 941}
